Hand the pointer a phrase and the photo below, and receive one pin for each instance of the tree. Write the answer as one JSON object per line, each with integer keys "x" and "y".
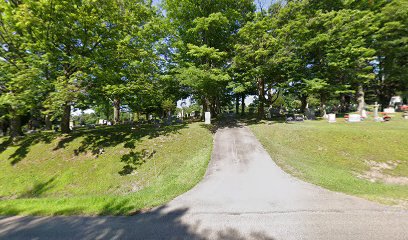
{"x": 22, "y": 83}
{"x": 392, "y": 50}
{"x": 206, "y": 31}
{"x": 65, "y": 34}
{"x": 127, "y": 64}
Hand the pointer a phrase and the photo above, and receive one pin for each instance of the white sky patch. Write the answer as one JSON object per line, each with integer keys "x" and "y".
{"x": 79, "y": 112}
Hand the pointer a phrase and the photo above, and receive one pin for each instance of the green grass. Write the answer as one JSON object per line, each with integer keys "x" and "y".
{"x": 335, "y": 155}
{"x": 106, "y": 171}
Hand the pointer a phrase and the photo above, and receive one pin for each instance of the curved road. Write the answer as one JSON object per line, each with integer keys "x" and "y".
{"x": 244, "y": 195}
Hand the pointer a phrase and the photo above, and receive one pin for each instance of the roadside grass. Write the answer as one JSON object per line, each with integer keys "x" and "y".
{"x": 102, "y": 171}
{"x": 367, "y": 159}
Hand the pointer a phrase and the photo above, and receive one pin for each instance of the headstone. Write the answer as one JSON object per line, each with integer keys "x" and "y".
{"x": 290, "y": 117}
{"x": 299, "y": 118}
{"x": 354, "y": 118}
{"x": 331, "y": 118}
{"x": 364, "y": 113}
{"x": 389, "y": 110}
{"x": 207, "y": 118}
{"x": 71, "y": 125}
{"x": 376, "y": 117}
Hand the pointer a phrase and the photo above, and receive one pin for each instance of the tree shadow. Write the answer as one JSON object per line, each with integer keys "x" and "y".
{"x": 25, "y": 143}
{"x": 5, "y": 144}
{"x": 38, "y": 189}
{"x": 223, "y": 121}
{"x": 94, "y": 140}
{"x": 158, "y": 223}
{"x": 134, "y": 160}
{"x": 117, "y": 207}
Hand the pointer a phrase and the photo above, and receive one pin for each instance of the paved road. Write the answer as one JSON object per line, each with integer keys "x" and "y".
{"x": 244, "y": 195}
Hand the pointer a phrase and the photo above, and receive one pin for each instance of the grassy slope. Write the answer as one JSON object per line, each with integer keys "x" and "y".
{"x": 50, "y": 174}
{"x": 331, "y": 155}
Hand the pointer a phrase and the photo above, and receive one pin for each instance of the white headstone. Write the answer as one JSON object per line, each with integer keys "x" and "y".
{"x": 71, "y": 125}
{"x": 389, "y": 110}
{"x": 364, "y": 113}
{"x": 331, "y": 118}
{"x": 354, "y": 118}
{"x": 207, "y": 118}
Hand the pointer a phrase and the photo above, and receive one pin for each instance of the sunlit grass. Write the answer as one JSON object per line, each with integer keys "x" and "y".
{"x": 111, "y": 170}
{"x": 335, "y": 155}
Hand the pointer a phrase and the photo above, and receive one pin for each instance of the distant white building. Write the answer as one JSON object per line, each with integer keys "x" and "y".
{"x": 396, "y": 100}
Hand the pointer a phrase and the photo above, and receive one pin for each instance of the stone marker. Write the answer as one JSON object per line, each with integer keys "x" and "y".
{"x": 389, "y": 110}
{"x": 364, "y": 113}
{"x": 331, "y": 117}
{"x": 290, "y": 117}
{"x": 405, "y": 115}
{"x": 207, "y": 118}
{"x": 376, "y": 117}
{"x": 354, "y": 118}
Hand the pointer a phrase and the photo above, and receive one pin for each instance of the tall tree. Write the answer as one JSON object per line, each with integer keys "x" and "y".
{"x": 66, "y": 34}
{"x": 207, "y": 30}
{"x": 22, "y": 82}
{"x": 391, "y": 42}
{"x": 127, "y": 64}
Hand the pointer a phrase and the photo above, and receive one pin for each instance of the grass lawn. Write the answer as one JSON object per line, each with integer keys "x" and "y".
{"x": 367, "y": 159}
{"x": 107, "y": 170}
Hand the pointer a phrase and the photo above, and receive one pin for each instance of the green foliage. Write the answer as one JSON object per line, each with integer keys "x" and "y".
{"x": 206, "y": 31}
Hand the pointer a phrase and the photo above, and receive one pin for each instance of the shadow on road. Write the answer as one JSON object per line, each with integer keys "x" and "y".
{"x": 223, "y": 121}
{"x": 156, "y": 224}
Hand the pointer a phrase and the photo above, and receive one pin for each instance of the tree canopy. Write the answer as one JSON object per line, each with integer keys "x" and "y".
{"x": 131, "y": 55}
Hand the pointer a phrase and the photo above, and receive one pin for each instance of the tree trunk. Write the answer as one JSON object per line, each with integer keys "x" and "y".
{"x": 243, "y": 104}
{"x": 66, "y": 117}
{"x": 15, "y": 127}
{"x": 48, "y": 123}
{"x": 261, "y": 95}
{"x": 206, "y": 104}
{"x": 360, "y": 98}
{"x": 3, "y": 127}
{"x": 116, "y": 111}
{"x": 303, "y": 100}
{"x": 236, "y": 104}
{"x": 213, "y": 110}
{"x": 323, "y": 106}
{"x": 343, "y": 104}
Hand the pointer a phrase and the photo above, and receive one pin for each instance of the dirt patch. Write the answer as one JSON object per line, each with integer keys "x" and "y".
{"x": 376, "y": 173}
